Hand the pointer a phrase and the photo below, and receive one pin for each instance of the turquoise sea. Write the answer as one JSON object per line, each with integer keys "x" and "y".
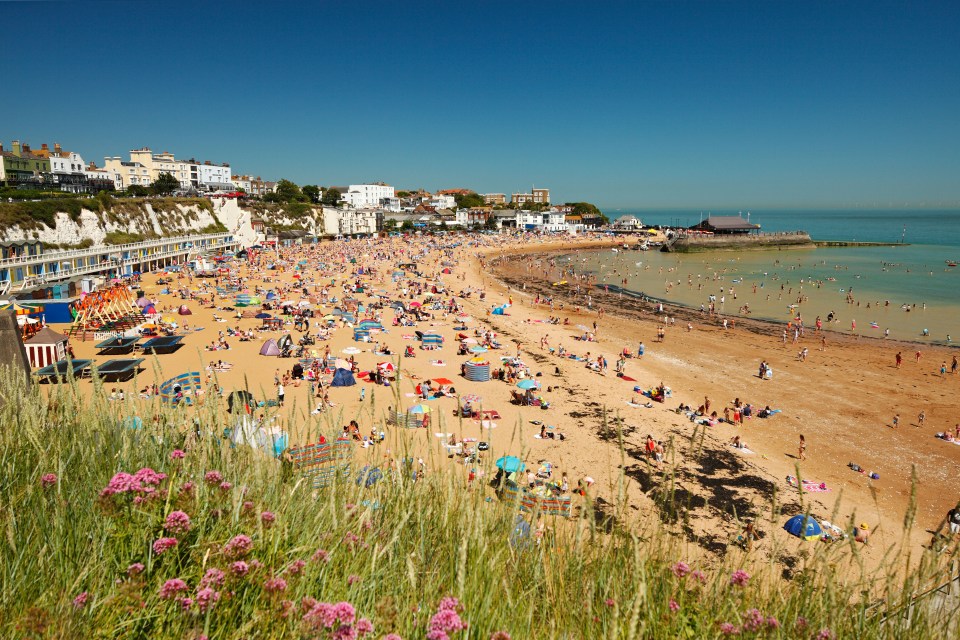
{"x": 909, "y": 287}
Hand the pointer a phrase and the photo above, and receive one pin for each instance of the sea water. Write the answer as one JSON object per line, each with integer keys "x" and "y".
{"x": 905, "y": 289}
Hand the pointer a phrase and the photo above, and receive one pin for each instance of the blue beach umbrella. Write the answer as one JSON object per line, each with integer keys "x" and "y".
{"x": 510, "y": 464}
{"x": 527, "y": 383}
{"x": 419, "y": 408}
{"x": 478, "y": 349}
{"x": 369, "y": 476}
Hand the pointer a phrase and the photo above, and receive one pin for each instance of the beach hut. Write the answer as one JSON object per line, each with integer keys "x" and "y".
{"x": 46, "y": 347}
{"x": 343, "y": 378}
{"x": 477, "y": 370}
{"x": 270, "y": 348}
{"x": 431, "y": 340}
{"x": 804, "y": 526}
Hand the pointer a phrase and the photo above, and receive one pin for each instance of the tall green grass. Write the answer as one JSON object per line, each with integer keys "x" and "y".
{"x": 393, "y": 551}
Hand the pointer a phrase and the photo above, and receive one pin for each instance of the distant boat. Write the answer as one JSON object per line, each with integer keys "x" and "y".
{"x": 951, "y": 263}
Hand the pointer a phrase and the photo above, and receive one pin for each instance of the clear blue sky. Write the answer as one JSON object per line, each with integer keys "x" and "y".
{"x": 635, "y": 104}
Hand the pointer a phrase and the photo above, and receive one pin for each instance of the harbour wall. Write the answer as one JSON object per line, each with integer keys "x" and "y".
{"x": 738, "y": 242}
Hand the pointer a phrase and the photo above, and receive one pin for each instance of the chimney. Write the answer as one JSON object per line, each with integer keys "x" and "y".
{"x": 56, "y": 147}
{"x": 26, "y": 148}
{"x": 16, "y": 148}
{"x": 1, "y": 147}
{"x": 45, "y": 147}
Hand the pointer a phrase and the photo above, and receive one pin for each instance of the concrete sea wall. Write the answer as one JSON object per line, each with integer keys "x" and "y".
{"x": 738, "y": 242}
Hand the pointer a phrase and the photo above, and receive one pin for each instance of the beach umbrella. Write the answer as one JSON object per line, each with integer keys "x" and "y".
{"x": 342, "y": 364}
{"x": 414, "y": 304}
{"x": 527, "y": 383}
{"x": 263, "y": 316}
{"x": 419, "y": 409}
{"x": 510, "y": 464}
{"x": 804, "y": 526}
{"x": 351, "y": 351}
{"x": 329, "y": 317}
{"x": 442, "y": 381}
{"x": 478, "y": 349}
{"x": 386, "y": 366}
{"x": 469, "y": 341}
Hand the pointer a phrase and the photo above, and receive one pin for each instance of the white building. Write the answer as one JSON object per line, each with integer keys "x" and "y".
{"x": 67, "y": 168}
{"x": 550, "y": 221}
{"x": 128, "y": 174}
{"x": 442, "y": 201}
{"x": 352, "y": 221}
{"x": 214, "y": 177}
{"x": 95, "y": 173}
{"x": 628, "y": 223}
{"x": 361, "y": 196}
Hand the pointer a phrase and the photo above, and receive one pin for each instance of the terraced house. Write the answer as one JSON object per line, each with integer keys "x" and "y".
{"x": 22, "y": 167}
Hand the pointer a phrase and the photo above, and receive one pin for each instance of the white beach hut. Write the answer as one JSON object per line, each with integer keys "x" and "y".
{"x": 46, "y": 347}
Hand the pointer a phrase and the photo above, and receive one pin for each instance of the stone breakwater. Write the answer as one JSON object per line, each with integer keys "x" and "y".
{"x": 758, "y": 241}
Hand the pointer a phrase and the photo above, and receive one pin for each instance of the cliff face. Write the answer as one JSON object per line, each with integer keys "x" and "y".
{"x": 124, "y": 221}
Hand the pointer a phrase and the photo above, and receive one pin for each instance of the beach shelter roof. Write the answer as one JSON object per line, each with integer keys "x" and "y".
{"x": 270, "y": 348}
{"x": 510, "y": 464}
{"x": 804, "y": 526}
{"x": 46, "y": 336}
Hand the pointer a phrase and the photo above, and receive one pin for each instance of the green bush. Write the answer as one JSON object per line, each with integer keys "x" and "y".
{"x": 122, "y": 237}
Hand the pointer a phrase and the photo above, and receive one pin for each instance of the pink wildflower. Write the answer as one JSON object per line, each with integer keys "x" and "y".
{"x": 449, "y": 603}
{"x": 255, "y": 565}
{"x": 772, "y": 623}
{"x": 673, "y": 605}
{"x": 148, "y": 476}
{"x": 728, "y": 629}
{"x": 238, "y": 546}
{"x": 352, "y": 579}
{"x": 135, "y": 569}
{"x": 172, "y": 587}
{"x": 275, "y": 585}
{"x": 186, "y": 603}
{"x": 163, "y": 544}
{"x": 186, "y": 489}
{"x": 296, "y": 568}
{"x": 267, "y": 518}
{"x": 699, "y": 576}
{"x": 213, "y": 477}
{"x": 206, "y": 598}
{"x": 248, "y": 506}
{"x": 177, "y": 522}
{"x": 825, "y": 634}
{"x": 239, "y": 568}
{"x": 681, "y": 569}
{"x": 393, "y": 636}
{"x": 739, "y": 578}
{"x": 212, "y": 578}
{"x": 81, "y": 600}
{"x": 753, "y": 620}
{"x": 177, "y": 454}
{"x": 364, "y": 627}
{"x": 444, "y": 622}
{"x": 610, "y": 602}
{"x": 344, "y": 612}
{"x": 225, "y": 486}
{"x": 801, "y": 622}
{"x": 321, "y": 556}
{"x": 48, "y": 480}
{"x": 500, "y": 635}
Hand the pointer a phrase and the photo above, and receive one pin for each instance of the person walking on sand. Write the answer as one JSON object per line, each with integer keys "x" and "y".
{"x": 280, "y": 394}
{"x": 896, "y": 421}
{"x": 802, "y": 448}
{"x": 943, "y": 368}
{"x": 899, "y": 359}
{"x": 921, "y": 418}
{"x": 954, "y": 366}
{"x": 918, "y": 355}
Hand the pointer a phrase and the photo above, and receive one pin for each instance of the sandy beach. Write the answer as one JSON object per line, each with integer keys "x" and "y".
{"x": 842, "y": 399}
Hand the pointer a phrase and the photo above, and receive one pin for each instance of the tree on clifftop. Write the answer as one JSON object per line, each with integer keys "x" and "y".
{"x": 331, "y": 197}
{"x": 468, "y": 200}
{"x": 289, "y": 192}
{"x": 165, "y": 184}
{"x": 312, "y": 192}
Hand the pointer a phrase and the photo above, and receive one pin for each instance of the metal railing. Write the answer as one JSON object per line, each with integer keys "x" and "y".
{"x": 58, "y": 256}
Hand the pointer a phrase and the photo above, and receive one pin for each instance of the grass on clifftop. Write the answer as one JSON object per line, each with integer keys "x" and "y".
{"x": 118, "y": 532}
{"x": 30, "y": 215}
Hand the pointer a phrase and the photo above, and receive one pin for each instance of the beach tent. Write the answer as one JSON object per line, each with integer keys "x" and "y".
{"x": 285, "y": 342}
{"x": 46, "y": 347}
{"x": 143, "y": 303}
{"x": 804, "y": 526}
{"x": 270, "y": 348}
{"x": 245, "y": 431}
{"x": 149, "y": 310}
{"x": 499, "y": 311}
{"x": 182, "y": 388}
{"x": 185, "y": 311}
{"x": 445, "y": 271}
{"x": 240, "y": 402}
{"x": 343, "y": 378}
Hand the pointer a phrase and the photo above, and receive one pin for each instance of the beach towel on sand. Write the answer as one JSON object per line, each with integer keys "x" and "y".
{"x": 809, "y": 486}
{"x": 628, "y": 378}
